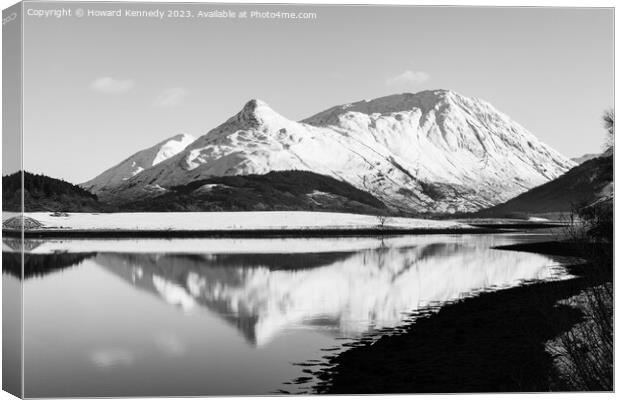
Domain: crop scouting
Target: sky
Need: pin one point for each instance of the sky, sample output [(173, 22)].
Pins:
[(98, 89)]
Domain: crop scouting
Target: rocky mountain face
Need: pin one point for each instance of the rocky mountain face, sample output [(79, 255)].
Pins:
[(429, 152)]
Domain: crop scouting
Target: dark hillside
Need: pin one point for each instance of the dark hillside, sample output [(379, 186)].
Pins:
[(582, 185), (274, 191), (42, 193)]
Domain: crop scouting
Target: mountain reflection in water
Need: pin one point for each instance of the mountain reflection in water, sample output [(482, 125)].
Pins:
[(201, 317), (347, 293)]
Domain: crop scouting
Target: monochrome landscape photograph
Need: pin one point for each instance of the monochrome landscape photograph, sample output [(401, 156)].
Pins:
[(213, 199)]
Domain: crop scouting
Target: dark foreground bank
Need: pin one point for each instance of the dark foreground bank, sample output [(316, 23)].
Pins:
[(491, 343)]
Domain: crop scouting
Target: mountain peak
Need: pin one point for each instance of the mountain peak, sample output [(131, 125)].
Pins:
[(256, 107), (138, 162), (256, 113), (424, 101), (180, 137), (438, 93), (253, 104)]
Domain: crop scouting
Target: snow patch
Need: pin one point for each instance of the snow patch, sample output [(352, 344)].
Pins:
[(242, 220)]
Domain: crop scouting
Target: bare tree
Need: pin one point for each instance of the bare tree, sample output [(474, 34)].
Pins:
[(608, 123)]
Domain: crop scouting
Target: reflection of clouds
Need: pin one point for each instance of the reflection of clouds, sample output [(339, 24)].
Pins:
[(166, 343), (106, 358), (169, 344)]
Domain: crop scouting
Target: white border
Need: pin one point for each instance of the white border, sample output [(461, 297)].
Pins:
[(486, 3)]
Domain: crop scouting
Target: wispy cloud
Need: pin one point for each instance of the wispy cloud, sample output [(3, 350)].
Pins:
[(408, 77), (170, 344), (171, 97), (108, 85), (106, 358)]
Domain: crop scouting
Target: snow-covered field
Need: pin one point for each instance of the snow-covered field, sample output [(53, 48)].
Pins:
[(230, 221)]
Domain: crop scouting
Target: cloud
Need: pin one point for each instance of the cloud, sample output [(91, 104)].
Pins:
[(106, 358), (170, 344), (171, 97), (408, 77), (109, 85)]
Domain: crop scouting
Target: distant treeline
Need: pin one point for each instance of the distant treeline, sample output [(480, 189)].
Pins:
[(42, 193), (41, 185)]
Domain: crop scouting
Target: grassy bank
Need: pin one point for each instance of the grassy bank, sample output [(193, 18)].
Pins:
[(583, 355)]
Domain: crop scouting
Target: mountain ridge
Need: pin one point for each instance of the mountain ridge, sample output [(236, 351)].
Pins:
[(138, 162), (433, 151), (586, 157)]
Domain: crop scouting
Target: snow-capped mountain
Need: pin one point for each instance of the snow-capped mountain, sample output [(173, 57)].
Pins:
[(137, 163), (434, 151), (585, 157)]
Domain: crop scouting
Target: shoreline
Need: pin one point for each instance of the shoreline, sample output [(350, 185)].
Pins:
[(493, 342), (241, 233), (244, 225), (253, 245)]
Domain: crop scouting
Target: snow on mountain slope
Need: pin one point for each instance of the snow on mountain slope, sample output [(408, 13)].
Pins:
[(445, 137), (434, 151), (138, 162)]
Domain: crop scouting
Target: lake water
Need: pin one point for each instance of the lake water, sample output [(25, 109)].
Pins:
[(234, 316)]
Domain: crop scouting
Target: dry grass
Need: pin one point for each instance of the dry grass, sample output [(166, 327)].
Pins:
[(583, 356)]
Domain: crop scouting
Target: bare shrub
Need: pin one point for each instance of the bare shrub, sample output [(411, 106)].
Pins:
[(584, 355)]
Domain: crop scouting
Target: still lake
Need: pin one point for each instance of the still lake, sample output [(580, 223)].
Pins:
[(185, 317)]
